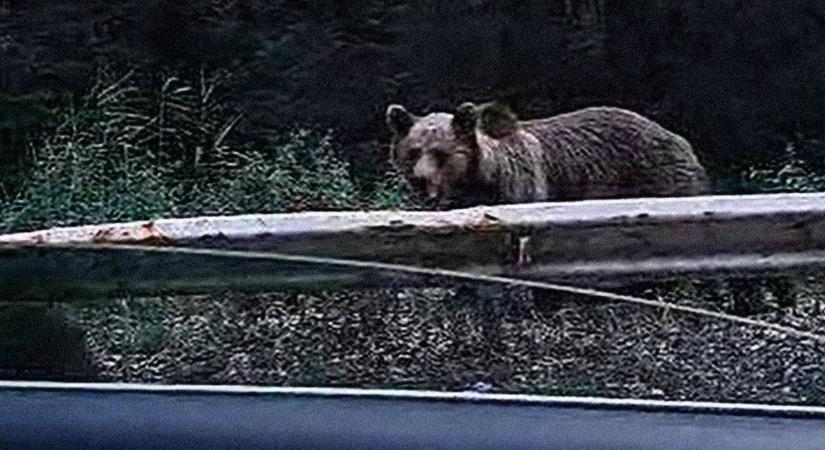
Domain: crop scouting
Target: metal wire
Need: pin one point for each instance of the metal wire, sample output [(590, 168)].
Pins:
[(479, 278)]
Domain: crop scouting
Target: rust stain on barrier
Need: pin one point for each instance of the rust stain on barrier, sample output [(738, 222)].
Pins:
[(104, 235), (487, 223), (147, 234), (151, 235)]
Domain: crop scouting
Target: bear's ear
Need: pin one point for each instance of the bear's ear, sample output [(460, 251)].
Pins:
[(465, 117), (497, 120), (399, 120)]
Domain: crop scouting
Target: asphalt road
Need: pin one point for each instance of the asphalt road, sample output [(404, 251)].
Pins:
[(89, 420)]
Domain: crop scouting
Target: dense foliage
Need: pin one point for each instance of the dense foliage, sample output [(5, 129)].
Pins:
[(742, 80), (131, 152)]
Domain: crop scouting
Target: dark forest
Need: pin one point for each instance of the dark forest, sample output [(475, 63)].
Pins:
[(743, 81)]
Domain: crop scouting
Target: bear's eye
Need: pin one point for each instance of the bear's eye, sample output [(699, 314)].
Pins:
[(413, 153)]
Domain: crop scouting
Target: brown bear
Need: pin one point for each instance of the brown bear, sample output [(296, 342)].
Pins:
[(485, 153)]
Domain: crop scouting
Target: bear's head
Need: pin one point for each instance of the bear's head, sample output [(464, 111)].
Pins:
[(439, 154)]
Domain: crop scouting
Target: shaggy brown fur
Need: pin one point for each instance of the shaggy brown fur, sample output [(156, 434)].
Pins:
[(597, 152)]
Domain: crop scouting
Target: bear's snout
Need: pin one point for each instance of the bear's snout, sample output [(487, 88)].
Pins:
[(425, 187)]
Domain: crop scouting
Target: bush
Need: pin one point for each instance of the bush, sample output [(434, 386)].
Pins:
[(128, 152), (80, 175), (393, 192), (793, 174), (302, 172)]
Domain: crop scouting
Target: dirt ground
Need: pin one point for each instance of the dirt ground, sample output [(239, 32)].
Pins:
[(458, 338)]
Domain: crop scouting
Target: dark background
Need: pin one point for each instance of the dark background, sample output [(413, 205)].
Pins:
[(740, 79)]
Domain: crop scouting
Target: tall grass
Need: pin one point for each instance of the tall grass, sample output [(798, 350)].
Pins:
[(132, 150)]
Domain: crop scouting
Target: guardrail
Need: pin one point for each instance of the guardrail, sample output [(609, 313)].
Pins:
[(596, 242)]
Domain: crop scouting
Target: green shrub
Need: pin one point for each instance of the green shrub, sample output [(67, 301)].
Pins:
[(393, 192), (791, 175), (79, 176), (131, 151), (300, 173)]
